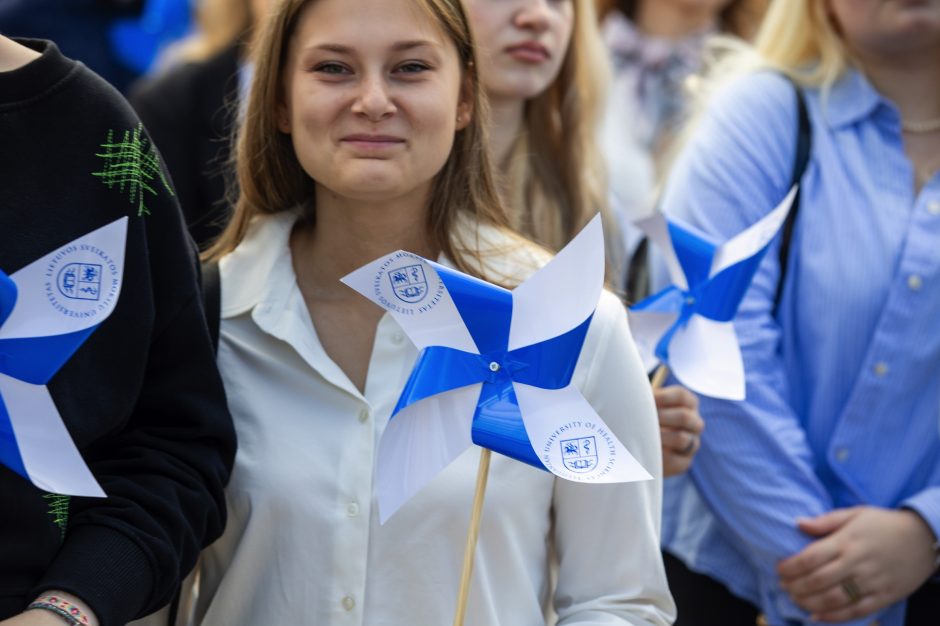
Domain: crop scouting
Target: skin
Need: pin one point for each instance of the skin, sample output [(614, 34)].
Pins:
[(359, 69), (897, 43), (676, 19), (510, 75), (13, 55), (38, 617), (510, 80), (887, 553)]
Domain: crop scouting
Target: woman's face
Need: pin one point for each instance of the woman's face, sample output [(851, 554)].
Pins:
[(887, 28), (521, 44), (373, 93)]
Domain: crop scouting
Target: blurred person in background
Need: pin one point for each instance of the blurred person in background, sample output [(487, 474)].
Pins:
[(657, 47), (80, 28), (191, 107)]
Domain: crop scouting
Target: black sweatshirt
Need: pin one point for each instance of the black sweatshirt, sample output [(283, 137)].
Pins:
[(142, 397)]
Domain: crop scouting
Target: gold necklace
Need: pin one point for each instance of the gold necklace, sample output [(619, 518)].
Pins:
[(925, 126)]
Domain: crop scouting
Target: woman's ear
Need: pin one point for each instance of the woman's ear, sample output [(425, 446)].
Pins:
[(465, 103), (283, 118)]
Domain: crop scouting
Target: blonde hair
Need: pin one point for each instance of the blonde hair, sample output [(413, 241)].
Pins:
[(556, 181), (271, 179), (220, 24), (799, 38)]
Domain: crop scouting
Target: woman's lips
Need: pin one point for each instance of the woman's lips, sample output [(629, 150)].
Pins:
[(529, 52), (372, 142)]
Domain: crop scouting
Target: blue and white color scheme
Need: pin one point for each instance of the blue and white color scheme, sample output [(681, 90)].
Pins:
[(47, 310), (495, 369), (688, 325)]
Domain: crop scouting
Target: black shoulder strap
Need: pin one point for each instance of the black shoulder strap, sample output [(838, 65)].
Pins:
[(804, 139), (212, 299)]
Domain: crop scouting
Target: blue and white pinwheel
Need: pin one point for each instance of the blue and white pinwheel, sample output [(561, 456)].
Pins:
[(688, 326), (495, 369), (47, 310)]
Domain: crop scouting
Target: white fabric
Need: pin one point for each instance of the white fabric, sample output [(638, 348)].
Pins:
[(303, 545)]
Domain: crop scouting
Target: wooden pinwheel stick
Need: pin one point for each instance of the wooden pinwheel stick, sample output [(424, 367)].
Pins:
[(659, 376), (472, 533)]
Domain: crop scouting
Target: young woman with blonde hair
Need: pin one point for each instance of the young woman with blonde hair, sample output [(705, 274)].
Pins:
[(818, 498), (364, 134)]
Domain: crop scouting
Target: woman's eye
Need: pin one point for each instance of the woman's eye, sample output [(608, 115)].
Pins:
[(412, 67), (331, 68)]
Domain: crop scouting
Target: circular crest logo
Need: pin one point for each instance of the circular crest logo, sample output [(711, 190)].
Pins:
[(82, 281), (409, 283), (404, 284)]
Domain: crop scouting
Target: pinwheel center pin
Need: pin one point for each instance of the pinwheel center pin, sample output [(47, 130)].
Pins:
[(494, 366)]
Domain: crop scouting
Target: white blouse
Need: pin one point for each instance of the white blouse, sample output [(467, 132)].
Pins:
[(303, 543)]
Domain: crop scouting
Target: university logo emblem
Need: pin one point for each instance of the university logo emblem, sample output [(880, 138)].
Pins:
[(579, 455), (80, 281), (409, 283)]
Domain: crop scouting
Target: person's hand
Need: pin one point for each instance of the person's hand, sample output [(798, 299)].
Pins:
[(680, 427), (866, 559)]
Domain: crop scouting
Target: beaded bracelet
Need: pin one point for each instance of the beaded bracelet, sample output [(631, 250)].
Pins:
[(63, 608)]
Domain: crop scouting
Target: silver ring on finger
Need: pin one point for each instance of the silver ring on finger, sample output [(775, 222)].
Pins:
[(687, 450)]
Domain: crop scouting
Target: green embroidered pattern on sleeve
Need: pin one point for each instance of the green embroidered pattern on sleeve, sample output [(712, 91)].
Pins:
[(132, 165), (59, 510)]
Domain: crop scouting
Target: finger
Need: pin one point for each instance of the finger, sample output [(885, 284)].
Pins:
[(827, 523), (675, 396), (866, 606), (818, 580), (681, 419), (675, 464), (827, 601), (810, 558), (678, 441)]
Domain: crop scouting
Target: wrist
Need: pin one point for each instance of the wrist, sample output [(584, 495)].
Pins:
[(66, 607), (932, 539)]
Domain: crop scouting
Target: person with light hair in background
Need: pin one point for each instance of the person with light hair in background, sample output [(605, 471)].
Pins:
[(543, 67), (657, 50), (364, 133), (817, 500)]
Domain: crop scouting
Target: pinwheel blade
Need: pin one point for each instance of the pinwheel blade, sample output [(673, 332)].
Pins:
[(749, 243), (563, 293), (705, 357), (409, 288), (657, 229), (572, 440), (647, 328), (419, 442), (71, 289), (47, 454)]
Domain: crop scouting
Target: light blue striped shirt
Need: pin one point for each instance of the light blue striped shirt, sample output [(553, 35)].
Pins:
[(843, 393)]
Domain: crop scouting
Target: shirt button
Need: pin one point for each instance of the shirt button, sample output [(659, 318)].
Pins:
[(348, 603), (842, 455), (915, 282), (397, 338), (352, 509), (880, 369), (934, 207), (363, 416)]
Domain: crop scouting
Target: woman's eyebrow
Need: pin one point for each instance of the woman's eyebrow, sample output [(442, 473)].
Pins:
[(399, 46)]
